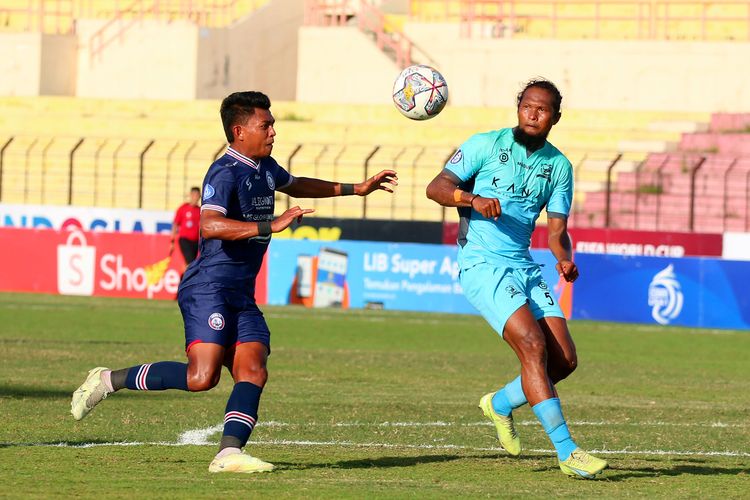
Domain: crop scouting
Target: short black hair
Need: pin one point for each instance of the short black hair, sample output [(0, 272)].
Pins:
[(545, 84), (195, 189), (238, 107)]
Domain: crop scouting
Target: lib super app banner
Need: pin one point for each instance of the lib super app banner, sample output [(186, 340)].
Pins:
[(398, 276)]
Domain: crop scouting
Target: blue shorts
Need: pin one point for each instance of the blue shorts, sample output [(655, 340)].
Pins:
[(499, 291), (222, 316)]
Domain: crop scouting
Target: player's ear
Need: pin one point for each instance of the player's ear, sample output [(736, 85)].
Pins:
[(556, 118), (238, 132)]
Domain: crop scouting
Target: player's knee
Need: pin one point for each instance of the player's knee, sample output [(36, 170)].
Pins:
[(571, 364), (257, 375), (563, 368), (202, 380)]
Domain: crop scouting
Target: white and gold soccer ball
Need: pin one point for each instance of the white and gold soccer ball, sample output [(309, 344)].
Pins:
[(420, 92)]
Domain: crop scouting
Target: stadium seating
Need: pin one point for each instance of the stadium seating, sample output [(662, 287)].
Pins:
[(582, 19), (59, 16), (147, 153), (703, 185), (333, 141)]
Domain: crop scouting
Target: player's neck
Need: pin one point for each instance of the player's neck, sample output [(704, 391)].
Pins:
[(247, 154), (530, 142)]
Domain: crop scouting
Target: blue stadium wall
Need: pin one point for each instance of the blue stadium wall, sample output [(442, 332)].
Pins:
[(693, 292)]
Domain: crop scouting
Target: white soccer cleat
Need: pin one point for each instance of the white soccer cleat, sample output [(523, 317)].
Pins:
[(239, 462), (89, 394)]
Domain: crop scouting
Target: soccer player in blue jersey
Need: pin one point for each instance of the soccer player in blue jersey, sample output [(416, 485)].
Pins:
[(223, 325), (500, 181)]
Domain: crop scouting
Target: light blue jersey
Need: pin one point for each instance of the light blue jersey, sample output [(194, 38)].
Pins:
[(494, 165)]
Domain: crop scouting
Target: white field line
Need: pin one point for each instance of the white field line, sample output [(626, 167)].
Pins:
[(349, 444), (200, 437), (582, 423)]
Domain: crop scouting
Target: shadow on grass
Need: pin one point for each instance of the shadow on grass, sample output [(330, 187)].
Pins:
[(388, 462), (26, 392), (17, 391), (698, 469), (59, 444)]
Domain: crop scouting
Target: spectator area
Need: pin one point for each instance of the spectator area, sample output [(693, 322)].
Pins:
[(101, 145)]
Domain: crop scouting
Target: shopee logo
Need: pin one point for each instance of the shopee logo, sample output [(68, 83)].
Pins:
[(121, 278)]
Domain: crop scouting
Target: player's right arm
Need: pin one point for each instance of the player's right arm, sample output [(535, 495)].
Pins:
[(214, 225), (464, 164), (219, 188)]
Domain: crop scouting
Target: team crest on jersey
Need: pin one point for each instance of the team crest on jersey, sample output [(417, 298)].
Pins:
[(248, 184), (457, 157), (270, 181), (504, 157), (546, 172), (216, 321), (208, 191)]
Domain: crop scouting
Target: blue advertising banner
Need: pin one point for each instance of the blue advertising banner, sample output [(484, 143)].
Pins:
[(398, 276), (696, 292)]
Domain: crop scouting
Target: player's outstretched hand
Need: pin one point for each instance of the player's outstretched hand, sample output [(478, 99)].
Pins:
[(568, 270), (284, 220), (489, 207), (382, 180)]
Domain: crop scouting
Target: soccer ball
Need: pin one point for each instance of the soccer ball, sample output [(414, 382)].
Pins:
[(420, 92)]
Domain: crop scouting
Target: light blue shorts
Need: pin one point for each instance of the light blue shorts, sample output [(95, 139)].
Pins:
[(498, 291)]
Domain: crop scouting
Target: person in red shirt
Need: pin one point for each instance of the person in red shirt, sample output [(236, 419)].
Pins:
[(186, 226)]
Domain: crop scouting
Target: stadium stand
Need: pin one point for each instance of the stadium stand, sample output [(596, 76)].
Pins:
[(59, 16), (177, 139), (703, 185), (145, 153), (591, 19)]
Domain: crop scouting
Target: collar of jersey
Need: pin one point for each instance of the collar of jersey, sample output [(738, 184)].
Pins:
[(244, 159)]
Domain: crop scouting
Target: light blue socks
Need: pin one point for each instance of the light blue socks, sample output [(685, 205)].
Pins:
[(509, 398), (550, 415)]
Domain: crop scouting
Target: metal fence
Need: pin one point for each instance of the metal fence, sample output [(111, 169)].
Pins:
[(679, 191)]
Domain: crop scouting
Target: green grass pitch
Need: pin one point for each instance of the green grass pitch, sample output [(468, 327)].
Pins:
[(366, 404)]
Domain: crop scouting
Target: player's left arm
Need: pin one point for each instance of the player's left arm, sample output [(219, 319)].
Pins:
[(561, 247), (307, 187), (558, 208)]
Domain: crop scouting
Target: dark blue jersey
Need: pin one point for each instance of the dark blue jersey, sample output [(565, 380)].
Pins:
[(243, 190)]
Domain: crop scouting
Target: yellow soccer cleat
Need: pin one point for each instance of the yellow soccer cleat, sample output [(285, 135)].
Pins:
[(506, 431), (239, 462), (581, 464), (89, 394)]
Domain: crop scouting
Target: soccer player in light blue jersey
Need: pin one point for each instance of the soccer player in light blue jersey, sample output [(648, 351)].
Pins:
[(223, 324), (500, 181)]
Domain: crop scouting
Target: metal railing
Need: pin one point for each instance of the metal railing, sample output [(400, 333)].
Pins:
[(60, 16), (156, 173), (369, 19), (204, 14), (679, 191)]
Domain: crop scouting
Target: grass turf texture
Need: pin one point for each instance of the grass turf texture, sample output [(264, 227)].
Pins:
[(367, 404)]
